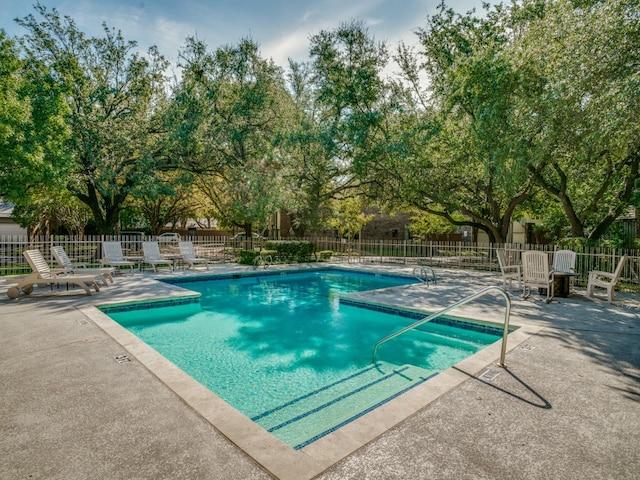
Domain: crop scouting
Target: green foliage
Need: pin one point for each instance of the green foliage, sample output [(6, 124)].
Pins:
[(163, 200), (226, 116), (32, 132), (291, 251), (49, 209), (247, 257), (469, 155), (582, 120), (530, 109), (341, 128), (312, 173), (101, 101), (348, 217), (425, 224)]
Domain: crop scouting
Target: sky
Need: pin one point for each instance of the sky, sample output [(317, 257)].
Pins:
[(282, 28)]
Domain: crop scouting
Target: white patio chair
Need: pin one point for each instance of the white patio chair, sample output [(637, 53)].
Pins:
[(605, 280), (65, 262), (536, 273), (151, 255), (188, 254), (113, 256), (565, 261), (509, 272), (43, 275)]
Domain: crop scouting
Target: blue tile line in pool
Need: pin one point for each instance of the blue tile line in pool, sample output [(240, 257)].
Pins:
[(146, 305), (315, 392), (452, 322), (364, 412), (338, 399)]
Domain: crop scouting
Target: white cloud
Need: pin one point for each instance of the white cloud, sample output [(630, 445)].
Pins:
[(294, 45), (282, 28)]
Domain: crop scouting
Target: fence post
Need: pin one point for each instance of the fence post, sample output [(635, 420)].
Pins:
[(405, 252)]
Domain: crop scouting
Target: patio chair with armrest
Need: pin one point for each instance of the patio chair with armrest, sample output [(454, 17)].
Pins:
[(605, 280), (65, 262), (188, 255), (509, 272), (152, 256), (43, 275), (536, 273), (113, 256)]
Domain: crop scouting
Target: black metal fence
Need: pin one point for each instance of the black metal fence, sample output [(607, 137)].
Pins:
[(458, 255)]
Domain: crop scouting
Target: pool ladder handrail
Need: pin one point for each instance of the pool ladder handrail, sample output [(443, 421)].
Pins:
[(420, 272), (464, 301), (264, 261)]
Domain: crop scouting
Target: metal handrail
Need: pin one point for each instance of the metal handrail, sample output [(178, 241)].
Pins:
[(260, 260), (480, 293), (422, 270)]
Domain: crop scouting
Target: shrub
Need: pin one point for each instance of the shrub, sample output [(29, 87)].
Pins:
[(247, 257), (324, 255), (291, 251)]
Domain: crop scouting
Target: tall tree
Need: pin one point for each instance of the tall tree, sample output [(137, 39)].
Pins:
[(467, 154), (344, 130), (313, 173), (111, 98), (228, 111), (32, 130), (584, 122), (164, 199)]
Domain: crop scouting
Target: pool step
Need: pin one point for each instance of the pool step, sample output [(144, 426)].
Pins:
[(307, 418), (420, 338), (429, 349)]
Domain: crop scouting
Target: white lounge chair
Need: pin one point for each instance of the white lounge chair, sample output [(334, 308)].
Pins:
[(605, 280), (188, 254), (65, 262), (152, 256), (536, 273), (509, 272), (112, 255), (43, 275)]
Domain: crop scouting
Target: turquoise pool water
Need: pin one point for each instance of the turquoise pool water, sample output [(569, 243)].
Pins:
[(285, 352)]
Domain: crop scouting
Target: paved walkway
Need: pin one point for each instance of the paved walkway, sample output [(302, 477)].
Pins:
[(76, 404)]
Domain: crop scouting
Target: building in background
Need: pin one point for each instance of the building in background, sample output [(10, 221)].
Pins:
[(8, 226)]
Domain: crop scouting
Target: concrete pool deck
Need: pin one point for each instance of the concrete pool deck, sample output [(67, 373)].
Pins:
[(82, 399)]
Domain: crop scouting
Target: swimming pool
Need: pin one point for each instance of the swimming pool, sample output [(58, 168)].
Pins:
[(284, 350)]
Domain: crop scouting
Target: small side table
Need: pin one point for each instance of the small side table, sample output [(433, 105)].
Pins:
[(561, 283), (137, 259)]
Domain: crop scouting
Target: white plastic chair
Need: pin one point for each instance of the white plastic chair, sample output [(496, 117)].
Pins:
[(536, 273), (113, 256), (65, 262), (188, 254), (565, 261), (152, 256), (509, 272), (605, 280)]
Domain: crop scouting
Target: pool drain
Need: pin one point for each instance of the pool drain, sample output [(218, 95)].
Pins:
[(490, 374), (122, 359)]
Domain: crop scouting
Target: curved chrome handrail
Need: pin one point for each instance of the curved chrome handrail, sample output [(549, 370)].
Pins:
[(480, 293), (422, 274)]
